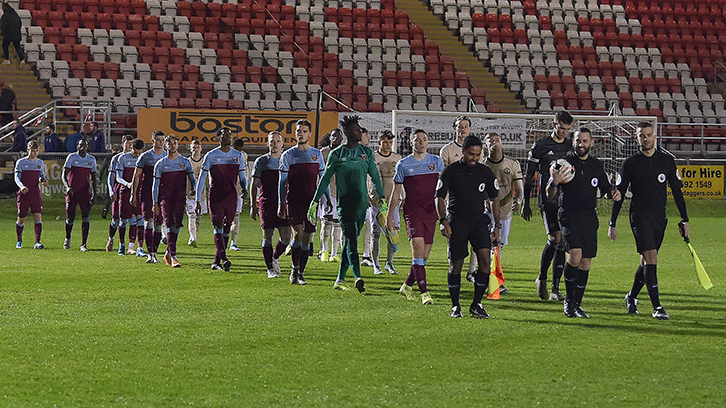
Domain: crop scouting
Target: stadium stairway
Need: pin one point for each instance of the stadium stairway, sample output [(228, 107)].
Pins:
[(29, 92), (463, 58)]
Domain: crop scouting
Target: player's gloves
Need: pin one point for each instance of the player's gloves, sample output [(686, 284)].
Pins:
[(312, 212), (384, 206)]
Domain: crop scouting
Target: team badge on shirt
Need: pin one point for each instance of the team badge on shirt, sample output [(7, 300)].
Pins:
[(315, 157), (234, 159), (181, 165), (432, 166), (364, 157)]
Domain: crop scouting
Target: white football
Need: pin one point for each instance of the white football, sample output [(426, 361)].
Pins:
[(560, 163)]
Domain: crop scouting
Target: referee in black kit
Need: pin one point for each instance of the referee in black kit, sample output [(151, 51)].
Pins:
[(578, 217), (469, 184), (647, 172)]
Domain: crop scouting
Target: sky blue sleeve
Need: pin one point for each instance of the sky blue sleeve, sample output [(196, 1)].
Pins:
[(157, 182)]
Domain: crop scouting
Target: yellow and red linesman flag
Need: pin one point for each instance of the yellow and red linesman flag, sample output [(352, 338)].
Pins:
[(496, 276)]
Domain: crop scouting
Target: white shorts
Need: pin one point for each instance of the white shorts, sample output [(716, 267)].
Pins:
[(321, 208), (192, 205), (239, 205), (373, 213)]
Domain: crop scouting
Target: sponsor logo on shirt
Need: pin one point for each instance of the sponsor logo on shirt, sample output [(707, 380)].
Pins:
[(661, 178), (618, 179), (594, 182), (482, 187), (678, 174), (496, 184)]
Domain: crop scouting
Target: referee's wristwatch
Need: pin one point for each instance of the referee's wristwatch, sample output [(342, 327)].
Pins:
[(443, 220), (498, 225)]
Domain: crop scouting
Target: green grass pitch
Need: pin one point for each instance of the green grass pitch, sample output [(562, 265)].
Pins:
[(99, 330)]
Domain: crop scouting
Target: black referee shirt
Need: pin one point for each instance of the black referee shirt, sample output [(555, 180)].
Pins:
[(647, 177), (469, 187), (580, 194)]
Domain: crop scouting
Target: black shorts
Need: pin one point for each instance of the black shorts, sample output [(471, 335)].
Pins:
[(548, 209), (579, 231), (465, 231), (648, 230)]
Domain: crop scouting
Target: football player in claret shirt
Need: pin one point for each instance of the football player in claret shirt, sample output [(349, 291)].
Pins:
[(578, 216), (463, 220), (648, 173), (351, 163), (541, 155), (113, 186), (129, 213), (169, 193), (224, 166), (141, 193), (237, 144), (418, 174), (300, 167), (29, 172), (78, 169), (263, 202)]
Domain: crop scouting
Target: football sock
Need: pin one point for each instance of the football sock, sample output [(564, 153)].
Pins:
[(454, 288), (351, 241), (582, 277), (267, 254), (69, 228), (651, 283), (335, 244), (149, 234), (558, 265), (171, 237), (122, 232), (570, 281), (112, 229), (220, 255), (344, 263), (304, 255), (481, 282), (295, 254), (192, 226), (234, 231), (140, 235), (38, 230), (376, 246), (367, 239), (225, 234), (418, 267), (19, 230), (157, 238), (279, 249), (547, 254), (638, 282), (325, 235), (85, 226), (411, 278)]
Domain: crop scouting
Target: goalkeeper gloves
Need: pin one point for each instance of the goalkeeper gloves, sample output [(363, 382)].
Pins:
[(312, 212)]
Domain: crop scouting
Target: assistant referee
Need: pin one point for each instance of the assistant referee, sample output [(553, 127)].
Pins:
[(469, 185), (647, 173)]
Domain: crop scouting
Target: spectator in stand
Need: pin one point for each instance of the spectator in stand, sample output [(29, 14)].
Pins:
[(52, 141), (72, 141), (19, 137), (10, 25), (96, 142), (7, 103), (404, 144)]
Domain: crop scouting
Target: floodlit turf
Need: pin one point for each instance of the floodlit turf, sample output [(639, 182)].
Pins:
[(96, 329)]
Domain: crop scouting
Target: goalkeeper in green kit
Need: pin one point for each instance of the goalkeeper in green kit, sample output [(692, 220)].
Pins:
[(350, 163)]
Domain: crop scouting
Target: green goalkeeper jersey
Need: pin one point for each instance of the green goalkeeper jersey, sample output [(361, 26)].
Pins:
[(351, 168)]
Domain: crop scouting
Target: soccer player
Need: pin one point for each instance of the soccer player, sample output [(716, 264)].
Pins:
[(300, 167), (77, 170), (29, 172), (578, 216), (646, 173), (351, 163), (237, 144), (116, 222), (266, 178), (366, 259), (469, 184), (129, 214), (418, 174), (169, 193), (386, 161), (224, 166), (142, 184), (451, 152), (195, 146), (330, 224), (509, 177), (542, 153)]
